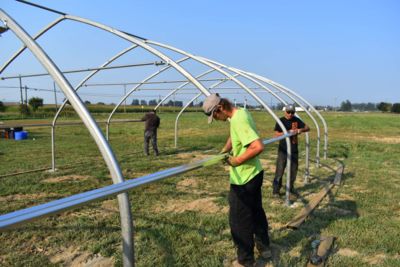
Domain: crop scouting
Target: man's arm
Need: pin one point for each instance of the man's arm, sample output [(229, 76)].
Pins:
[(253, 149), (276, 133), (304, 129)]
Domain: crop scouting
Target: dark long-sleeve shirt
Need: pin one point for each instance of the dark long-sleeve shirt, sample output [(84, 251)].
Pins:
[(152, 121)]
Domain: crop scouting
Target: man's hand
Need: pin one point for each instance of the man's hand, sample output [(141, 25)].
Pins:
[(224, 150), (232, 161), (295, 131)]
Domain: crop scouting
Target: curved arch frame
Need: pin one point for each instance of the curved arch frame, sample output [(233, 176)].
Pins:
[(277, 85), (250, 92), (94, 130), (126, 225), (238, 72)]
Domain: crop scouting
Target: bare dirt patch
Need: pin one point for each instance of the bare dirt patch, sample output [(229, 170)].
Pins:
[(383, 139), (375, 259), (347, 252), (73, 257), (204, 205), (19, 197), (295, 252), (110, 206), (66, 178), (187, 185), (343, 196), (193, 156)]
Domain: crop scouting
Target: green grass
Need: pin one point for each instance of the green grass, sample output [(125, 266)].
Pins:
[(170, 228)]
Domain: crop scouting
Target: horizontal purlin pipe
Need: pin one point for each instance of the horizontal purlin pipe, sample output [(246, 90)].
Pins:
[(60, 124), (157, 63), (19, 217)]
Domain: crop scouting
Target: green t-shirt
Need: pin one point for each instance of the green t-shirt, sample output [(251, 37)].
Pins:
[(243, 132)]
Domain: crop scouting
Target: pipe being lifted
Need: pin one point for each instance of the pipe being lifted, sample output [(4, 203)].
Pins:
[(94, 130), (23, 216)]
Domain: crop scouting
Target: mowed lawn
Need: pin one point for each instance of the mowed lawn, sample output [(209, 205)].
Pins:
[(183, 220)]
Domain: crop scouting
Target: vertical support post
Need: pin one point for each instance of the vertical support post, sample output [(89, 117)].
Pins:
[(107, 130), (53, 149), (55, 94), (307, 172), (125, 99)]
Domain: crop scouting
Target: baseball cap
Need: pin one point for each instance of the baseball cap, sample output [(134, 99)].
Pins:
[(290, 107), (209, 105)]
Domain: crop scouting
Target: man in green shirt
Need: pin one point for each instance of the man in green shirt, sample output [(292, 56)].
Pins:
[(247, 218)]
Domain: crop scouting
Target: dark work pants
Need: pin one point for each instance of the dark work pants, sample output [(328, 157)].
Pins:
[(280, 168), (151, 134), (247, 218)]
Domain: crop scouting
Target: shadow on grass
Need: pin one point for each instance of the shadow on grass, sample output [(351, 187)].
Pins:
[(313, 227)]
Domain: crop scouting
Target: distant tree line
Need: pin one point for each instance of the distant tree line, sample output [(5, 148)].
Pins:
[(154, 102), (382, 106)]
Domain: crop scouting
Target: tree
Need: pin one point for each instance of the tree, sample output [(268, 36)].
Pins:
[(384, 106), (396, 108), (153, 102), (87, 102), (101, 103), (135, 102), (346, 106), (24, 109), (143, 102), (2, 107), (35, 102)]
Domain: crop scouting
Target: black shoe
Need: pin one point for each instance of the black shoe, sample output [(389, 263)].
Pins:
[(294, 192)]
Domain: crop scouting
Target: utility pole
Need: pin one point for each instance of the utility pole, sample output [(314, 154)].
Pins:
[(20, 89), (26, 95)]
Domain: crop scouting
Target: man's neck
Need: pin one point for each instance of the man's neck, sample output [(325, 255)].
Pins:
[(231, 113)]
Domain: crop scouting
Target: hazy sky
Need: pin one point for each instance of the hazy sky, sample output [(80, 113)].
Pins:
[(327, 51)]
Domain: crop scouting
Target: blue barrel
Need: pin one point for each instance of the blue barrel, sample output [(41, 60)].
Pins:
[(21, 135)]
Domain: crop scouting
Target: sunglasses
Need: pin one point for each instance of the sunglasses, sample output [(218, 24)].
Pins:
[(290, 112)]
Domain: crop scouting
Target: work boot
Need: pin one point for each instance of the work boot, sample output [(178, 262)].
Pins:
[(236, 263), (294, 192), (264, 250)]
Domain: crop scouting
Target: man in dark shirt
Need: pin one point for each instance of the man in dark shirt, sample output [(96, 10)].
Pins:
[(294, 125), (152, 122)]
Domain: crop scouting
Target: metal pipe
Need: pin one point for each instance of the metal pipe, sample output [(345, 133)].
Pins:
[(180, 87), (108, 155), (23, 216), (62, 123), (133, 90), (179, 114), (154, 82), (191, 101), (157, 63), (311, 106), (252, 78)]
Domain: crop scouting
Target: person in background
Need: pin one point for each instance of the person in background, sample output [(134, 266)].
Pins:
[(293, 125), (247, 219), (152, 122)]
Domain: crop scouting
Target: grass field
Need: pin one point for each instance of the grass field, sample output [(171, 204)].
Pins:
[(182, 221)]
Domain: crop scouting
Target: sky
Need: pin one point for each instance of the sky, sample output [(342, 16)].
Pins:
[(326, 51)]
